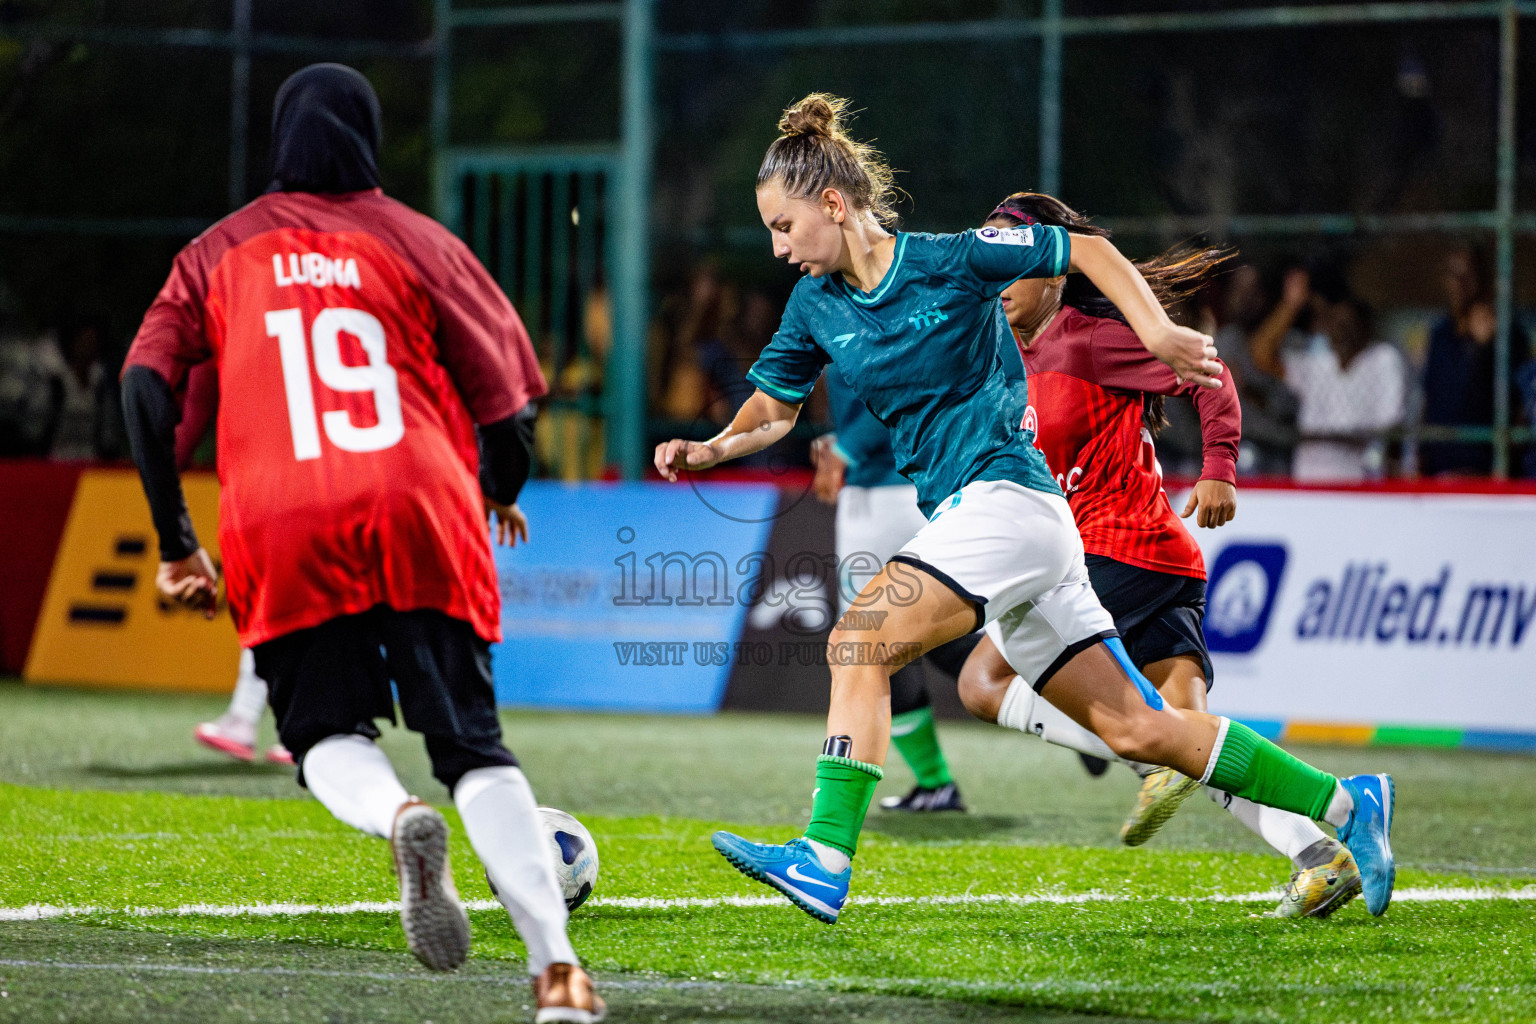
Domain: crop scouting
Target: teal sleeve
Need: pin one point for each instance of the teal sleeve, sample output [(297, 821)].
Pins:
[(996, 257), (792, 361)]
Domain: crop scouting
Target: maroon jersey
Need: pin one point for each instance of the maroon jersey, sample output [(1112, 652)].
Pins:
[(356, 344), (1087, 378)]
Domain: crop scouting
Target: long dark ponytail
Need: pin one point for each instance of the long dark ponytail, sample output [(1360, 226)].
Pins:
[(1174, 276)]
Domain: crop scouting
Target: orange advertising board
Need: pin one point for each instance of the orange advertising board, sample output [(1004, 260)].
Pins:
[(102, 623)]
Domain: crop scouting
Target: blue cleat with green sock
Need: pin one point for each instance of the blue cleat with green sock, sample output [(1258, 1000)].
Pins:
[(1368, 835), (793, 869)]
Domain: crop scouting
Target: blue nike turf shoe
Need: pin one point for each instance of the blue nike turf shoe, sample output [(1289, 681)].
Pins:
[(1368, 834), (793, 869)]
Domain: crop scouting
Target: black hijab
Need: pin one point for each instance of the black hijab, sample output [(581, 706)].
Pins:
[(326, 126)]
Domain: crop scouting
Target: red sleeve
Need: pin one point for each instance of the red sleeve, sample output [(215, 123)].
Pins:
[(173, 339), (1121, 361), (197, 411), (481, 340)]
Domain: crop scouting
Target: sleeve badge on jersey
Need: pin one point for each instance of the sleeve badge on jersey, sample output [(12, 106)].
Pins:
[(1007, 236)]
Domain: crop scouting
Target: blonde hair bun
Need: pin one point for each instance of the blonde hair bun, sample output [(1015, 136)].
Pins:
[(817, 114), (814, 152)]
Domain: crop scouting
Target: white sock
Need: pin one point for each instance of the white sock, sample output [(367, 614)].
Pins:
[(250, 698), (502, 822), (833, 859), (355, 782), (1341, 807), (1287, 832), (1025, 710)]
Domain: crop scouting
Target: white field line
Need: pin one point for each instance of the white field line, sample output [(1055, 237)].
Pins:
[(47, 911)]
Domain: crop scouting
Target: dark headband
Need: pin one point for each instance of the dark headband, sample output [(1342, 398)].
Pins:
[(1009, 208)]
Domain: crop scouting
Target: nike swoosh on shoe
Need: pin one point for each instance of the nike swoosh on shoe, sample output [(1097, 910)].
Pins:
[(793, 871)]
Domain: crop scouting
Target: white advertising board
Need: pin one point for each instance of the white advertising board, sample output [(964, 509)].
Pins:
[(1375, 608)]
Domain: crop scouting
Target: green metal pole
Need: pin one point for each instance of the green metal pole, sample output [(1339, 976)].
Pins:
[(239, 102), (442, 80), (625, 379), (1504, 295), (1050, 97)]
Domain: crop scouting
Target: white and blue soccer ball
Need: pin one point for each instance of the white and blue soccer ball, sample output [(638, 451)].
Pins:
[(575, 855)]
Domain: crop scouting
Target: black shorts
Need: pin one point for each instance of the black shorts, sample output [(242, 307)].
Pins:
[(1159, 615), (334, 679), (938, 670)]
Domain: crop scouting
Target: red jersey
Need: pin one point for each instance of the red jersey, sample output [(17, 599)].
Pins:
[(356, 344), (1087, 377)]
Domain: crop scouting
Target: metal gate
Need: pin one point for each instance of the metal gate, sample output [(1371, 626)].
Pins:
[(542, 225)]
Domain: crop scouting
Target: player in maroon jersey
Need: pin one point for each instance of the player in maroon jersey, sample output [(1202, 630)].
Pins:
[(1095, 405), (363, 355)]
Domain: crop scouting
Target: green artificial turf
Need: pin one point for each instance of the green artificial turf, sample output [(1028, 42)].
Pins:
[(117, 817)]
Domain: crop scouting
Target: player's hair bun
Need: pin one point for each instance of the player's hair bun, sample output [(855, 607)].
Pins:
[(817, 114), (814, 151)]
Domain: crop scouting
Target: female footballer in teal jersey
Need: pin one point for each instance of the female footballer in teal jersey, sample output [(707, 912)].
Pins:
[(913, 322)]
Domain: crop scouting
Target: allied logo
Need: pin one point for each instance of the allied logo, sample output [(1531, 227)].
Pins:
[(1240, 597)]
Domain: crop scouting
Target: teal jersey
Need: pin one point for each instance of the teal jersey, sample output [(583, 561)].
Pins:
[(923, 350), (863, 441)]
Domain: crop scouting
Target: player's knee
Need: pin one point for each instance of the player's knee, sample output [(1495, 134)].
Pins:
[(859, 648), (982, 691)]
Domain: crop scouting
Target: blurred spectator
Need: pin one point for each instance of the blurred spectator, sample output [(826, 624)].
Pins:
[(678, 388), (703, 340), (569, 436), (1349, 388), (727, 355), (1269, 407), (1459, 367), (57, 399), (83, 420), (26, 397)]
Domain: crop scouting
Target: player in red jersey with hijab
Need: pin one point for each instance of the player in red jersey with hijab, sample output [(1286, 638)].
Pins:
[(1095, 406), (364, 359)]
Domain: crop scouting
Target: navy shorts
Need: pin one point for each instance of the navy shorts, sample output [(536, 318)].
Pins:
[(1159, 615), (334, 679)]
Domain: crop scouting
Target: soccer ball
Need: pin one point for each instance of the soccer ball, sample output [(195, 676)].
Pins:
[(575, 855)]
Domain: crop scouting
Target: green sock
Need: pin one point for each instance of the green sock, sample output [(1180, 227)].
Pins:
[(844, 788), (914, 735), (1255, 769)]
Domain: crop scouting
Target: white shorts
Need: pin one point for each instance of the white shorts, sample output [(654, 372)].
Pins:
[(1015, 552), (873, 523)]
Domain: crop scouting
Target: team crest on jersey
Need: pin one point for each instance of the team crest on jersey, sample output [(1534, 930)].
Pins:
[(1007, 236)]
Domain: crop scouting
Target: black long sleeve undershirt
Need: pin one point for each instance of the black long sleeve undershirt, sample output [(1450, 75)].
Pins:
[(506, 455), (150, 412)]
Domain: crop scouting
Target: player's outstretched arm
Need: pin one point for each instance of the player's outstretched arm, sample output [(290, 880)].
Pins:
[(186, 574), (1215, 500), (506, 460), (508, 523), (192, 581), (759, 422), (1192, 355)]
